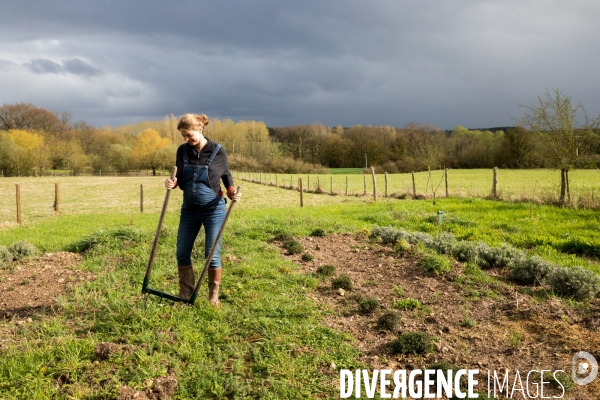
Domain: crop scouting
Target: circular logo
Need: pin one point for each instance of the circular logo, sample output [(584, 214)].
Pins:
[(589, 366)]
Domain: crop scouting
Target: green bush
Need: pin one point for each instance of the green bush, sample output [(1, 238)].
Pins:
[(435, 264), (388, 321), (293, 247), (500, 257), (307, 257), (388, 234), (342, 282), (532, 270), (411, 343), (5, 256), (407, 304), (575, 282), (444, 243), (325, 270), (368, 306), (22, 249), (402, 246), (318, 232)]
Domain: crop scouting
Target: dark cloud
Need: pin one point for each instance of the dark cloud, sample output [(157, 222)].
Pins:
[(337, 62)]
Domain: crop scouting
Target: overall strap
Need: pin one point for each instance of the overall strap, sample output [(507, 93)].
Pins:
[(185, 154), (213, 155)]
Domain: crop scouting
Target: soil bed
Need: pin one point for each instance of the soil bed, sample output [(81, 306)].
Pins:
[(485, 326)]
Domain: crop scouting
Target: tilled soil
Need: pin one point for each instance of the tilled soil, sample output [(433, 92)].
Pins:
[(478, 326), (30, 285)]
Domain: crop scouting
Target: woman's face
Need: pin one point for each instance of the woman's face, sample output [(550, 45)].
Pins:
[(192, 136)]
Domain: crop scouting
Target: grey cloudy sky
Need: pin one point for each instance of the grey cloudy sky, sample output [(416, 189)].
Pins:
[(446, 62)]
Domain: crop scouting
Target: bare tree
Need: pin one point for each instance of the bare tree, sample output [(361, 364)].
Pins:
[(565, 130)]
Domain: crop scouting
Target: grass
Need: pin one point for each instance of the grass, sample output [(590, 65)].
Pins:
[(267, 340)]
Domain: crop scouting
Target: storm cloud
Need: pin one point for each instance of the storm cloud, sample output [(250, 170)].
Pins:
[(448, 63)]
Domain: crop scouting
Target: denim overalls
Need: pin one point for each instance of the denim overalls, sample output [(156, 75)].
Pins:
[(201, 206)]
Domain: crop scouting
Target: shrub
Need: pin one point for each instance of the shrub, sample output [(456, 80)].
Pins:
[(5, 256), (469, 251), (500, 257), (444, 243), (388, 321), (388, 234), (293, 247), (532, 270), (368, 306), (411, 343), (307, 257), (576, 282), (356, 297), (22, 249), (318, 232), (325, 270), (435, 264), (342, 282), (420, 237), (407, 304)]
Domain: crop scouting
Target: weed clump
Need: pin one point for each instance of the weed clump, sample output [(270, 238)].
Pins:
[(318, 232), (368, 306), (325, 270), (5, 256), (411, 343), (388, 321), (283, 237), (407, 304), (435, 264), (307, 257), (342, 282), (293, 247), (402, 246), (22, 249)]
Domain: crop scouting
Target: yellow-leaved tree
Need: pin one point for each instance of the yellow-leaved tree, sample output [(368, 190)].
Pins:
[(150, 150), (28, 154)]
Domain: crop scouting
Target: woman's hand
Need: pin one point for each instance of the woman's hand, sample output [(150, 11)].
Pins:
[(171, 184), (233, 194)]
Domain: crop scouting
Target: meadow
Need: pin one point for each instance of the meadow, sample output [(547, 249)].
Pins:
[(267, 341)]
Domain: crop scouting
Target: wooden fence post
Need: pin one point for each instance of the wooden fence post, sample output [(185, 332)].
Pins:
[(346, 185), (446, 177), (374, 184), (331, 185), (141, 198), (495, 183), (318, 184), (56, 197), (276, 183), (365, 182), (308, 183), (386, 185), (414, 186), (18, 204), (301, 192)]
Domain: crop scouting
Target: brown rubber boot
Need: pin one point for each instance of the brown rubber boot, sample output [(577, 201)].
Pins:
[(214, 279), (187, 281)]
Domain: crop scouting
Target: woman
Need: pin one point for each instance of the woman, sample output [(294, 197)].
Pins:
[(201, 165)]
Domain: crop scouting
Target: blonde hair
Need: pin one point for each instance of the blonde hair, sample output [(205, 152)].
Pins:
[(192, 121)]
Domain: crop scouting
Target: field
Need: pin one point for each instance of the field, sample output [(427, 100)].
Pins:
[(76, 325)]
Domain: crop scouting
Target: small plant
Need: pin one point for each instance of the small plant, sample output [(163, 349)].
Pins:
[(411, 343), (307, 257), (22, 249), (5, 256), (388, 321), (368, 306), (399, 291), (342, 282), (283, 237), (356, 297), (293, 247), (500, 257), (402, 246), (388, 234), (325, 270), (444, 243), (435, 264), (516, 339), (466, 320), (318, 232), (370, 282), (407, 304), (532, 270)]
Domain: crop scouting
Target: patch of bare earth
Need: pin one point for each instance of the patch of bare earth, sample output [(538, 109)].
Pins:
[(509, 330), (32, 285)]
